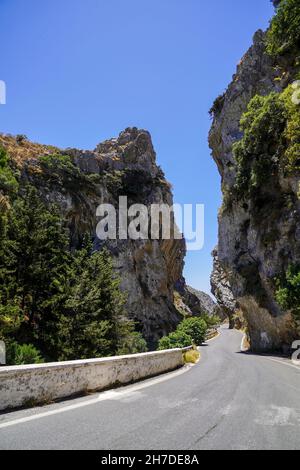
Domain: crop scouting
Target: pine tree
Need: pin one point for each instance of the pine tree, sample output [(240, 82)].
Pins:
[(35, 264), (94, 323)]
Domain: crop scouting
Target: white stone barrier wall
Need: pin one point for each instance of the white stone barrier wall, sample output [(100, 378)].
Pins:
[(42, 383)]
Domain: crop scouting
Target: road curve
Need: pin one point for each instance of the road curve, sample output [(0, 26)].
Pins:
[(229, 400)]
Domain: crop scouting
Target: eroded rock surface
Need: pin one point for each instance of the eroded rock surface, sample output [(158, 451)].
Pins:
[(222, 290)]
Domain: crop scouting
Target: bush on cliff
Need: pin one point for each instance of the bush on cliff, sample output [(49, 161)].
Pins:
[(217, 106), (61, 170), (288, 292), (284, 33), (8, 182), (270, 144)]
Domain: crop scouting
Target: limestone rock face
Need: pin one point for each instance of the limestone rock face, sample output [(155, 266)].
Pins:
[(200, 302), (192, 302), (125, 166), (254, 247), (221, 289)]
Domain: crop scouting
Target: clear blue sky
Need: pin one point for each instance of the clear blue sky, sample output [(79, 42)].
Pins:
[(80, 71)]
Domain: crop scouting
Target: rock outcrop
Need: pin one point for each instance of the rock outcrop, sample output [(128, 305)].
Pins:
[(201, 303), (256, 242), (78, 181), (192, 302), (221, 289)]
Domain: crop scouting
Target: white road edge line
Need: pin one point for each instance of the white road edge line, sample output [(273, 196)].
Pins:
[(282, 363), (243, 349), (103, 396)]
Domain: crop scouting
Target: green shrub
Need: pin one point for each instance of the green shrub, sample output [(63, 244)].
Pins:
[(211, 320), (10, 318), (291, 136), (134, 343), (61, 170), (257, 153), (59, 166), (114, 182), (20, 354), (284, 33), (271, 142), (8, 182), (228, 199), (178, 339), (58, 162), (288, 292), (194, 327)]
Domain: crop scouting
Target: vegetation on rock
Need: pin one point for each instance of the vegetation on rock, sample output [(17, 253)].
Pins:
[(288, 292), (8, 182), (271, 142), (284, 33), (217, 105), (60, 170)]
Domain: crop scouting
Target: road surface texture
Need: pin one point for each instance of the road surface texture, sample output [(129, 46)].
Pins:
[(229, 400)]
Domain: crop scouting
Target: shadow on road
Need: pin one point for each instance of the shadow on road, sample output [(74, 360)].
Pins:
[(277, 355)]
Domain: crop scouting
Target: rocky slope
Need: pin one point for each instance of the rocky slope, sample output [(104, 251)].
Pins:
[(192, 302), (222, 290), (199, 302), (78, 181), (259, 233)]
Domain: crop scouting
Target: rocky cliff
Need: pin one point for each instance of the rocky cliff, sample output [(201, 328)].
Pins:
[(192, 302), (257, 155), (221, 289), (201, 303), (78, 181)]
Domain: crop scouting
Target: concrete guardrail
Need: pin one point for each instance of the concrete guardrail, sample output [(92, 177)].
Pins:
[(42, 383)]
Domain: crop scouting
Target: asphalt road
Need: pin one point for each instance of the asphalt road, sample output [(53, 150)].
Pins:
[(229, 400)]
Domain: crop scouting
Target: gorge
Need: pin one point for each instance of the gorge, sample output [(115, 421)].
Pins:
[(255, 143)]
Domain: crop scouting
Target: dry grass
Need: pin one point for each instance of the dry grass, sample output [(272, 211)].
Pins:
[(213, 333), (191, 357), (26, 150)]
